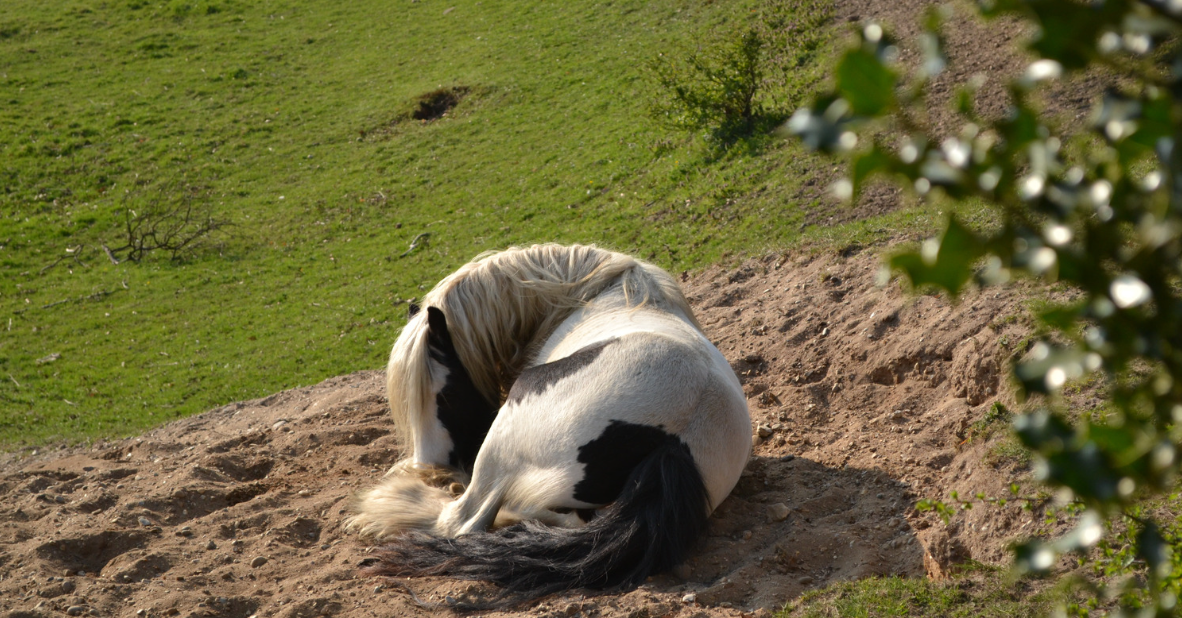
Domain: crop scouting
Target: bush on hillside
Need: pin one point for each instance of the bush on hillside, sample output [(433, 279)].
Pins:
[(715, 87), (735, 82), (175, 220)]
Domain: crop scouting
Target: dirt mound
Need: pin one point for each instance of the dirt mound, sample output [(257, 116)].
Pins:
[(860, 398), (435, 104)]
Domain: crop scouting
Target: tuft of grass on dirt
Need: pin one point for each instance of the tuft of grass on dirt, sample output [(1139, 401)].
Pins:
[(1007, 452), (984, 593)]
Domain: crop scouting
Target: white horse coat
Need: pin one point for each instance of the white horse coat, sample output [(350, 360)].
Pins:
[(620, 426)]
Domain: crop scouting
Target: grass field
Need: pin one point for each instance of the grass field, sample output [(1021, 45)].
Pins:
[(990, 593), (290, 121)]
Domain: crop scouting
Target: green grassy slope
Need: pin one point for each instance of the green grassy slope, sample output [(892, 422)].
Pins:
[(989, 593), (288, 118)]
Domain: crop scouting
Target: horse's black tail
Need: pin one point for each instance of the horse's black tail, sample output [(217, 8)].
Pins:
[(659, 516)]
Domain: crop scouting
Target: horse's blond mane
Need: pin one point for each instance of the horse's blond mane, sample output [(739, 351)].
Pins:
[(500, 303)]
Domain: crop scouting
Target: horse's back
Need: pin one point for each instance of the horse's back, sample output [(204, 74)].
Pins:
[(612, 387), (622, 404)]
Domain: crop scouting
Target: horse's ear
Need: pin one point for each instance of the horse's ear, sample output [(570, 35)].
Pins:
[(412, 310), (437, 324)]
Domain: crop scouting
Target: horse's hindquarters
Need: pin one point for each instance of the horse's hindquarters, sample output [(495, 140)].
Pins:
[(573, 429), (624, 422), (720, 435)]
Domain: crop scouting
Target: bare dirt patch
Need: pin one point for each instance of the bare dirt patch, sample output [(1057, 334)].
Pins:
[(435, 104), (861, 398), (985, 53), (423, 109)]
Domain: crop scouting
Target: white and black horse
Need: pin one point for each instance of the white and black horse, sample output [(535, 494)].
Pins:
[(568, 395)]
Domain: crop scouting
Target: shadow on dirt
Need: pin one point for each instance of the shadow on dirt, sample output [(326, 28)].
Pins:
[(792, 524)]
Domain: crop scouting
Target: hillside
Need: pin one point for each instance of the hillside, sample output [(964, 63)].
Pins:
[(864, 398), (290, 126)]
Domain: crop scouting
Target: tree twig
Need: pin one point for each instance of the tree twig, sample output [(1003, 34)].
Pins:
[(107, 249), (70, 253), (414, 244), (165, 222), (95, 296), (50, 265)]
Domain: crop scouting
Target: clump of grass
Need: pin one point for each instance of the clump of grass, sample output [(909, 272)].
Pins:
[(1008, 452), (983, 594), (996, 418)]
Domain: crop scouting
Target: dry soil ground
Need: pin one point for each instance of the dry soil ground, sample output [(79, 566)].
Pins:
[(861, 400)]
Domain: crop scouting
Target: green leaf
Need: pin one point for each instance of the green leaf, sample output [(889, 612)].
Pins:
[(869, 163), (1067, 30), (1021, 127), (1061, 318), (1116, 440), (950, 267), (824, 126), (1069, 460), (1048, 367), (1043, 431), (963, 102), (1088, 530), (1034, 557), (866, 83), (1154, 550)]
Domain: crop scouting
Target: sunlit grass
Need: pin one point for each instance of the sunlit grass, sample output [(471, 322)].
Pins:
[(290, 120), (989, 593)]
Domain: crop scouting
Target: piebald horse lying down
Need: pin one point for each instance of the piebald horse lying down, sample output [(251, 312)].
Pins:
[(597, 423)]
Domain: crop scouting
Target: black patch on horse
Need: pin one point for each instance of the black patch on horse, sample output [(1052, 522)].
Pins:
[(609, 459), (537, 379), (461, 408), (658, 517)]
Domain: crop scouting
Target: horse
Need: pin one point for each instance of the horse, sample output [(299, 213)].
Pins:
[(568, 425)]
